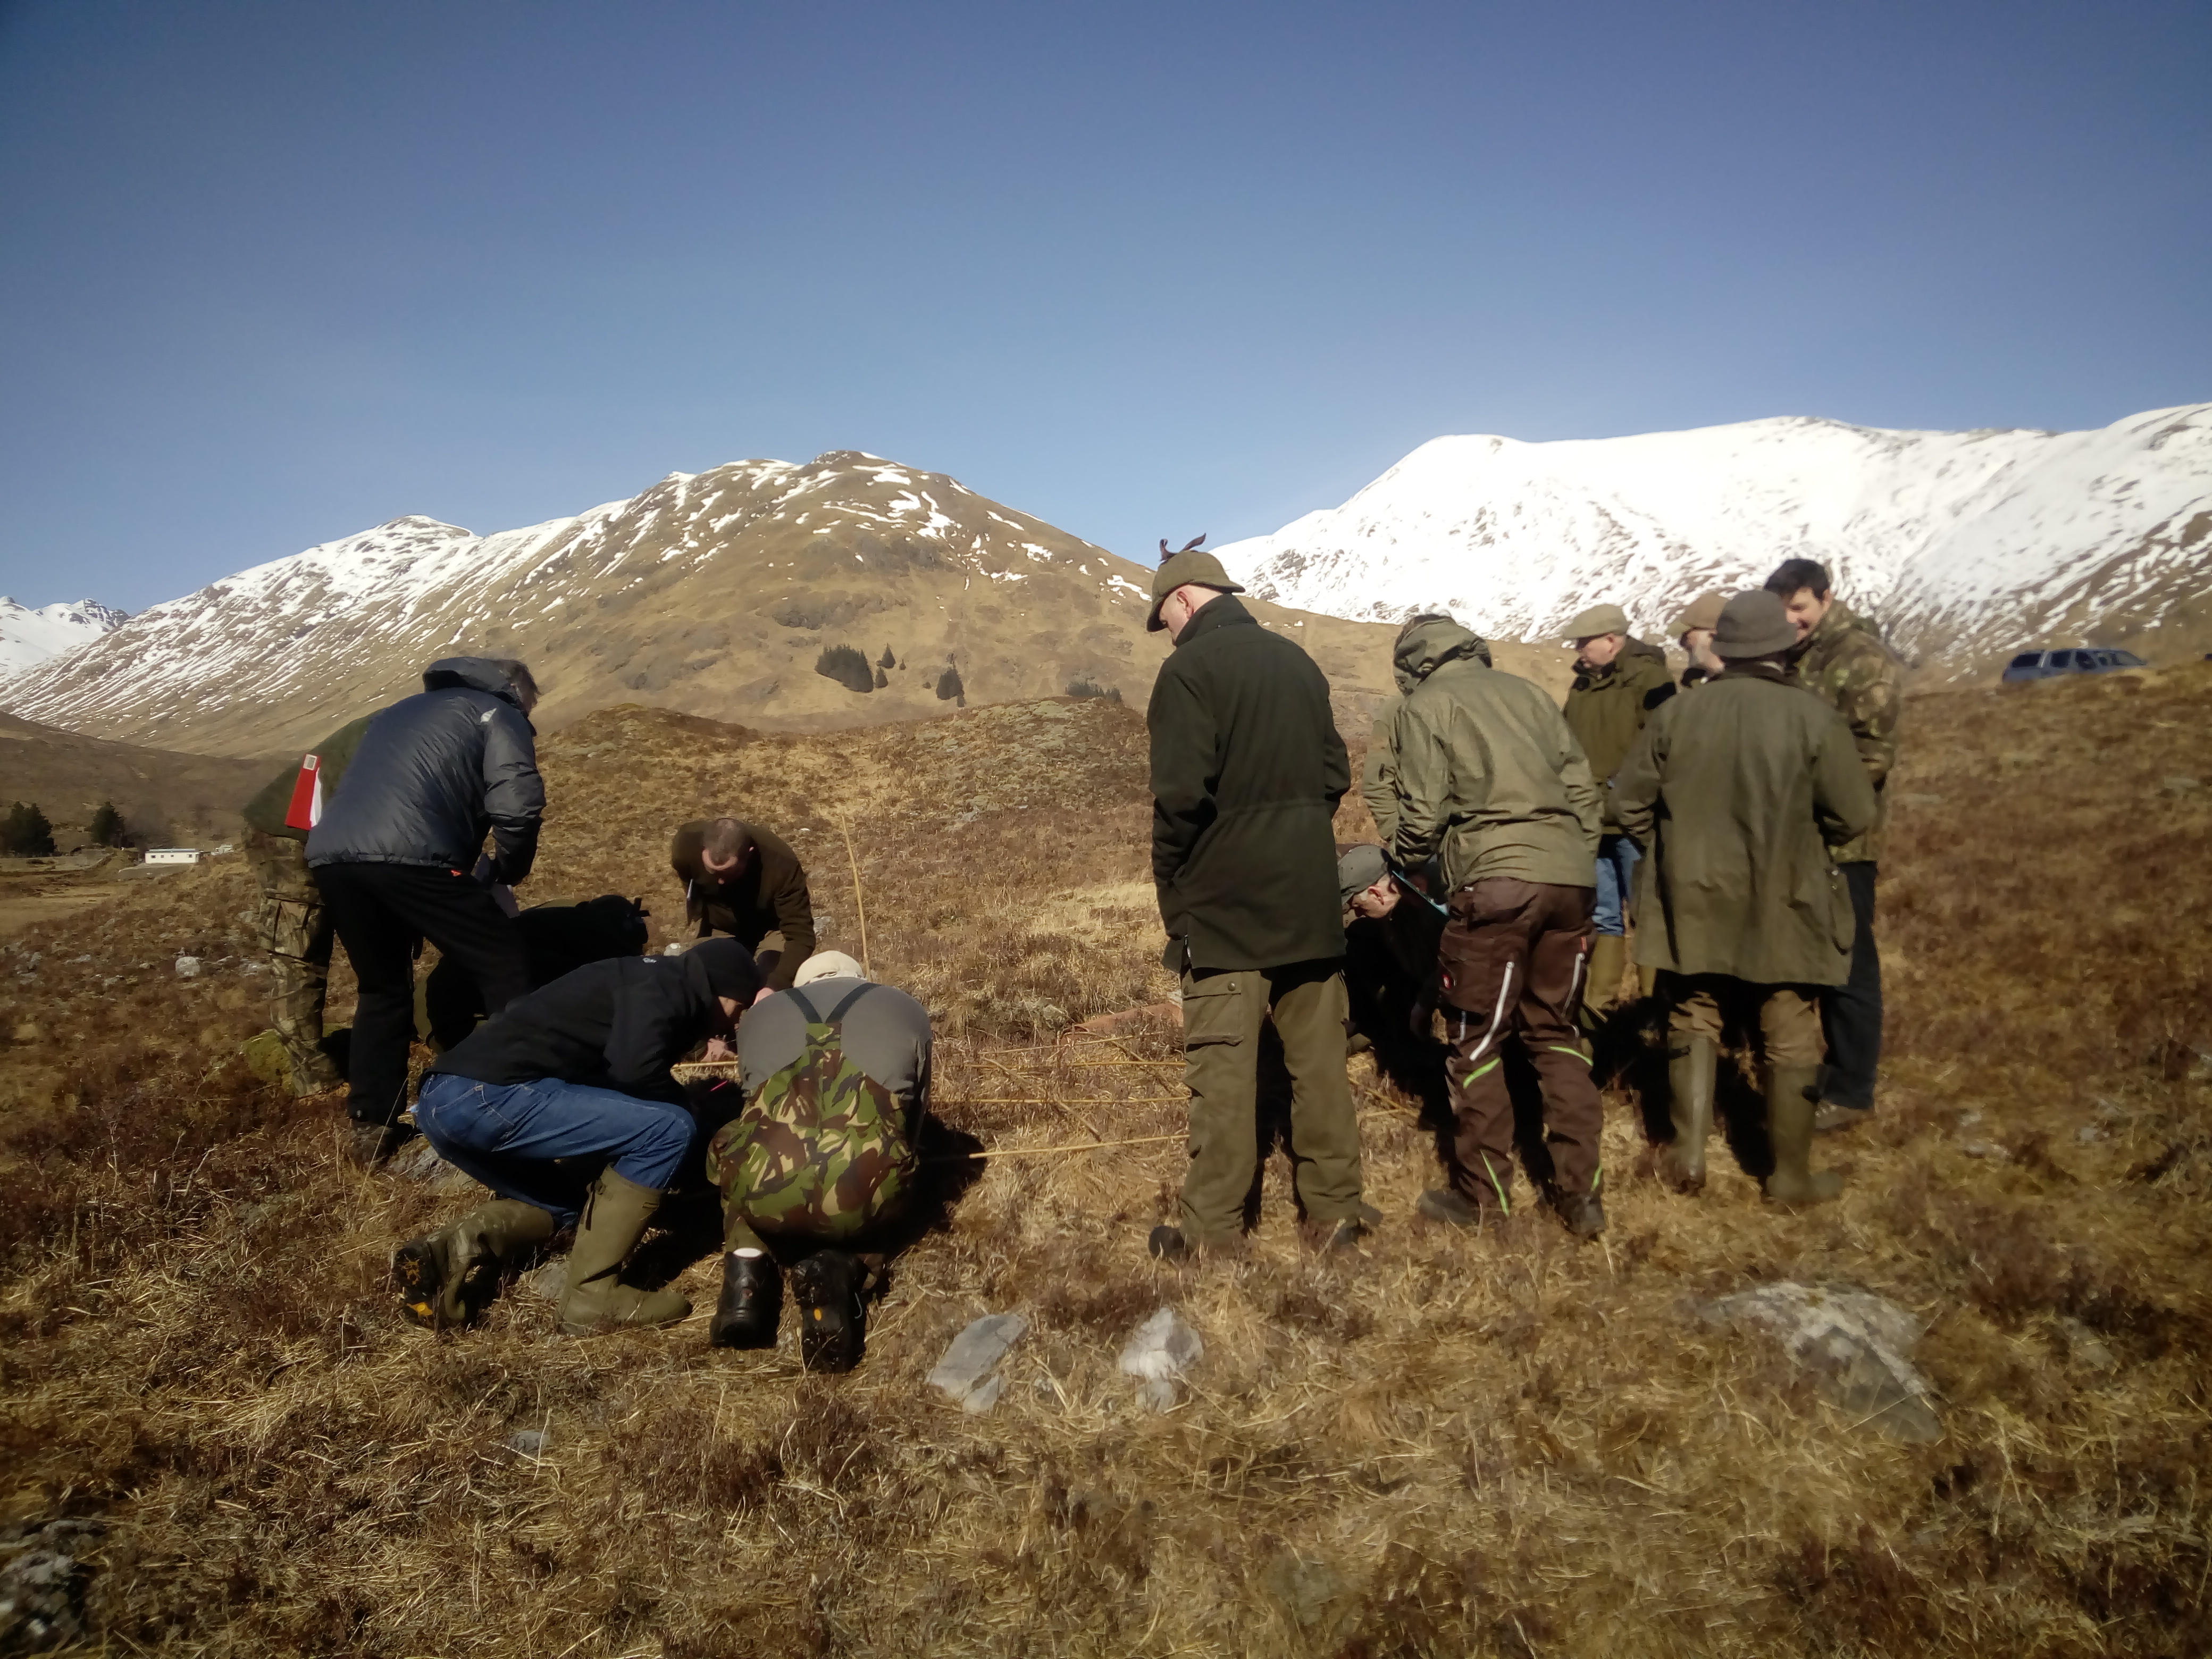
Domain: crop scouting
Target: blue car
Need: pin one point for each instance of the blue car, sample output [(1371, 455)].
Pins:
[(2050, 664)]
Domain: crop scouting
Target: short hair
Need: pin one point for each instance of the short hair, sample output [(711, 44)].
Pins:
[(519, 677), (726, 839), (1796, 575)]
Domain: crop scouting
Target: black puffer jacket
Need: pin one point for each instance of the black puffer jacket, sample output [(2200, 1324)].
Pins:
[(436, 771), (615, 1024)]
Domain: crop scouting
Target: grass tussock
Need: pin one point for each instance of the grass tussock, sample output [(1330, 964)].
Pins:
[(215, 1420)]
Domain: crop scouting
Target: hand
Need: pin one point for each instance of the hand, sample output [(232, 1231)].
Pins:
[(718, 1050), (762, 995)]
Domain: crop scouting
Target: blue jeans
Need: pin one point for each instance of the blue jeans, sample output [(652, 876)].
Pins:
[(1616, 859), (509, 1134)]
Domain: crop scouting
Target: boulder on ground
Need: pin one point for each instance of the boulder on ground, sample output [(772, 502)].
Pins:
[(1854, 1342), (968, 1373), (1162, 1351)]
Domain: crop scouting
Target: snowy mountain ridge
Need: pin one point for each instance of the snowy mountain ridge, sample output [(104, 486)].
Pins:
[(1965, 545), (29, 636), (845, 590)]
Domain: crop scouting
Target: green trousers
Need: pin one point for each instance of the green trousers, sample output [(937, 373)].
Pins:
[(1222, 1012)]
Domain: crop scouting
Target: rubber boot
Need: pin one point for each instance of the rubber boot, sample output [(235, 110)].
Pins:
[(751, 1303), (831, 1328), (1789, 1130), (1681, 1161), (615, 1215), (443, 1276), (1609, 958)]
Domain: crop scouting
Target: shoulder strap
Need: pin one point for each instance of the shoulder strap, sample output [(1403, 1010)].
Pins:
[(859, 991), (799, 997)]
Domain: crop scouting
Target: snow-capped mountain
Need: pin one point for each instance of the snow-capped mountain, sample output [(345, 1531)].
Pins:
[(29, 636), (848, 589), (1965, 545)]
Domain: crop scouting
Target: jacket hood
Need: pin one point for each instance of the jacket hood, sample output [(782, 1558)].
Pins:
[(1426, 646), (471, 673)]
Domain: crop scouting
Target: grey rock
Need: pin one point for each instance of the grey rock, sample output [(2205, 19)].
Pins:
[(2089, 1133), (550, 1281), (42, 1585), (1853, 1342), (967, 1373), (1988, 1149), (530, 1442), (188, 967), (418, 1160), (2083, 1347), (1162, 1352)]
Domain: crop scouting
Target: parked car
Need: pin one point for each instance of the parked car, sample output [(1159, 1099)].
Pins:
[(2050, 664)]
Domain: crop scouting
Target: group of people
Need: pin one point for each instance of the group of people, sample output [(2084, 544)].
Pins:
[(1729, 824), (1732, 831), (554, 1035)]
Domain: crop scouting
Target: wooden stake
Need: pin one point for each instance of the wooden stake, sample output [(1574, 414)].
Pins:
[(845, 828)]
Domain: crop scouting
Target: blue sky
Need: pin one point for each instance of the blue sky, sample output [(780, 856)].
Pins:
[(271, 274)]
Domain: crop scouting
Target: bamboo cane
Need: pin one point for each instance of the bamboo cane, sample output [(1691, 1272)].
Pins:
[(860, 905), (1027, 1151)]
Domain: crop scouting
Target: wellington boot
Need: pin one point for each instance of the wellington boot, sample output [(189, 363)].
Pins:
[(1609, 959), (446, 1276), (615, 1215), (1582, 1215), (1789, 1130), (751, 1303), (832, 1320), (1681, 1161)]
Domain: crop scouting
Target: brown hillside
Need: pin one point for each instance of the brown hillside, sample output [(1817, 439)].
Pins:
[(722, 594), (1512, 1446), (161, 794)]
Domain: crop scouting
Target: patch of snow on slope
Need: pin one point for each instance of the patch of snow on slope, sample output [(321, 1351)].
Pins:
[(29, 636)]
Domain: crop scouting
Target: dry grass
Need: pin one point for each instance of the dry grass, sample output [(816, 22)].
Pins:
[(1514, 1445)]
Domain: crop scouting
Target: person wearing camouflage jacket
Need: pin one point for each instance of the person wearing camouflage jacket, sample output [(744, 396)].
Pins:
[(836, 1074), (294, 923), (1489, 774), (1840, 657)]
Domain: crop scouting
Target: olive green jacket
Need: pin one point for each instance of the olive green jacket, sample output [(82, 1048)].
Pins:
[(1738, 796), (1845, 662), (1488, 771), (1247, 769), (1608, 708), (769, 896), (1378, 780), (266, 811)]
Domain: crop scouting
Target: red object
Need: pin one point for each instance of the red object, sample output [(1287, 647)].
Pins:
[(306, 811)]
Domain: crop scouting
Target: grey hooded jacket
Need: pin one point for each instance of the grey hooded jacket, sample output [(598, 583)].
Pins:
[(433, 773)]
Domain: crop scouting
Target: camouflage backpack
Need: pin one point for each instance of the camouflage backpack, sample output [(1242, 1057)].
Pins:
[(819, 1150)]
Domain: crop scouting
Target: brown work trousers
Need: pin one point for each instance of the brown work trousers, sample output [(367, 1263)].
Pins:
[(1706, 1004), (1222, 1013), (1514, 957)]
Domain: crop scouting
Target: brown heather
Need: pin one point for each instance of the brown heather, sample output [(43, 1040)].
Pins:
[(1515, 1445)]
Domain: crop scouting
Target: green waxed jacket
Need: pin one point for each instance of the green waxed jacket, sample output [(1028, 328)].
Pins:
[(1738, 796), (1488, 771), (1845, 663), (1378, 779), (1247, 770), (266, 811), (1607, 708)]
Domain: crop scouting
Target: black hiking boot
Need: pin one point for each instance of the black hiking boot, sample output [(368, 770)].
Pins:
[(751, 1303), (832, 1322), (1582, 1215), (1169, 1244), (1452, 1207), (372, 1145)]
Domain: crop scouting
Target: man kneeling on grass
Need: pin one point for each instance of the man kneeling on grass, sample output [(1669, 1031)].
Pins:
[(836, 1082), (555, 1085)]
